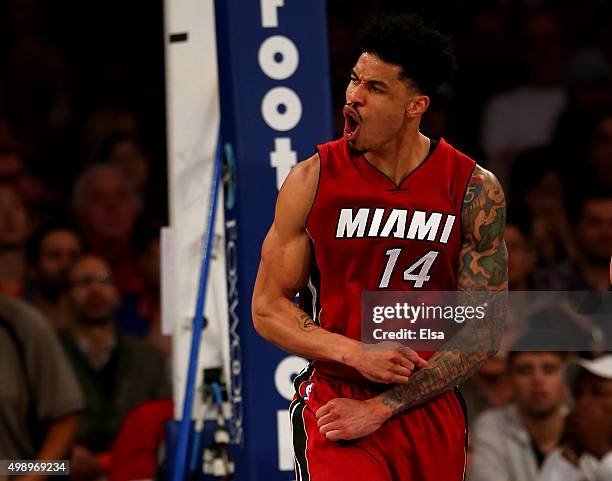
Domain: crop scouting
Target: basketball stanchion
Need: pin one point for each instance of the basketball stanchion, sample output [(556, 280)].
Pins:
[(217, 461), (179, 468)]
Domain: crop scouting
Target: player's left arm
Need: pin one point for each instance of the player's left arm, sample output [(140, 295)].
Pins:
[(482, 273)]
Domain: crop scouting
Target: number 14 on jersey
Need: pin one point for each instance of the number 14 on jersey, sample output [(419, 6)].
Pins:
[(423, 265)]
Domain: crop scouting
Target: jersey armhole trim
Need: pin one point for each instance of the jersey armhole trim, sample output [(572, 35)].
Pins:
[(467, 184), (314, 199)]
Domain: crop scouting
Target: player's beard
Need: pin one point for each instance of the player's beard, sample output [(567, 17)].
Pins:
[(357, 150)]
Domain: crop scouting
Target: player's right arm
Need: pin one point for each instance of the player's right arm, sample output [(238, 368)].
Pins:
[(284, 270)]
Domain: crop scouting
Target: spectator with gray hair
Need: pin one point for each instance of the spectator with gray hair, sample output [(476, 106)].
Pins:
[(106, 208)]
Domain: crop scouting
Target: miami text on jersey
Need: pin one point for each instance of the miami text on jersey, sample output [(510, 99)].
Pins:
[(372, 222)]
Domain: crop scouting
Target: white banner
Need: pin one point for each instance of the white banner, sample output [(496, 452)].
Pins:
[(193, 122)]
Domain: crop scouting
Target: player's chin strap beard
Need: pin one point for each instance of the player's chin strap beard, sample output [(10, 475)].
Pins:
[(355, 151)]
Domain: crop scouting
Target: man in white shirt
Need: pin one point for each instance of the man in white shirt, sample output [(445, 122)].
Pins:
[(586, 453), (510, 443)]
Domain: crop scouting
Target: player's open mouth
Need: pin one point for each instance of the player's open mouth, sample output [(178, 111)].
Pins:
[(351, 123)]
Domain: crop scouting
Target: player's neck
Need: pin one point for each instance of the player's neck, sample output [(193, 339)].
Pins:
[(400, 157)]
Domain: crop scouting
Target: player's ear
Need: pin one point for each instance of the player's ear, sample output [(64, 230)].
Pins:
[(417, 105)]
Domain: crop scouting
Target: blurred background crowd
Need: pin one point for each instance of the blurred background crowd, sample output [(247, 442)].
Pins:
[(83, 195)]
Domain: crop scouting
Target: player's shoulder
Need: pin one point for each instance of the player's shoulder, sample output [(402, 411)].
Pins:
[(297, 193), (306, 171), (484, 176), (303, 178), (483, 190)]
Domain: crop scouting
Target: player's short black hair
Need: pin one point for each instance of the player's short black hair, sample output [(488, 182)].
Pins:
[(425, 55)]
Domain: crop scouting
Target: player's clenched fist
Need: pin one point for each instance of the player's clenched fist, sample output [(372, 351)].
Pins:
[(386, 362), (345, 419)]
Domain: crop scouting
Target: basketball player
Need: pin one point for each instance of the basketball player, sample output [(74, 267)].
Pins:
[(383, 208)]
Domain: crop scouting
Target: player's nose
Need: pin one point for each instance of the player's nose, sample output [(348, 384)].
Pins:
[(355, 94)]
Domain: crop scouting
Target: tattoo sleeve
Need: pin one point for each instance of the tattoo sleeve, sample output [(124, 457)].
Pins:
[(482, 272)]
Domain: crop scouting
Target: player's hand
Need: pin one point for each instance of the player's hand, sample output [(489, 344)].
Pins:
[(345, 419), (386, 362)]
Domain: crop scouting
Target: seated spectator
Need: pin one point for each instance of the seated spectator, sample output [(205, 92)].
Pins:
[(13, 169), (106, 207), (103, 124), (51, 253), (586, 451), (510, 443), (588, 271), (125, 152), (39, 395), (537, 205), (600, 150), (521, 263), (141, 315), (521, 259), (115, 371), (14, 232), (488, 388), (526, 116), (589, 83)]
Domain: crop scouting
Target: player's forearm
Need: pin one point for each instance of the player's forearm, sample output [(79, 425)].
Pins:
[(291, 329), (456, 361), (445, 371)]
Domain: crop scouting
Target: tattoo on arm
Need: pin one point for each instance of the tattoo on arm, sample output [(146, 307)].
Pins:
[(306, 323), (482, 274)]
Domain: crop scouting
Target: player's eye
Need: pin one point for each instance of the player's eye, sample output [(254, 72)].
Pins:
[(375, 89), (354, 80)]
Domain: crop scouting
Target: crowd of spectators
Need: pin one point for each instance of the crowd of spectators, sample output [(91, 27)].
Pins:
[(82, 197)]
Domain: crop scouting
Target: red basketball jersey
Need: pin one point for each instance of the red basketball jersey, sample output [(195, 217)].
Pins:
[(369, 234)]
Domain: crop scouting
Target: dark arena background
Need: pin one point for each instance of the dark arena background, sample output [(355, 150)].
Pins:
[(142, 147)]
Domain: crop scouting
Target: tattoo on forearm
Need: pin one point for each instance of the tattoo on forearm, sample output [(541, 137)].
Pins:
[(306, 323), (445, 371), (482, 273)]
